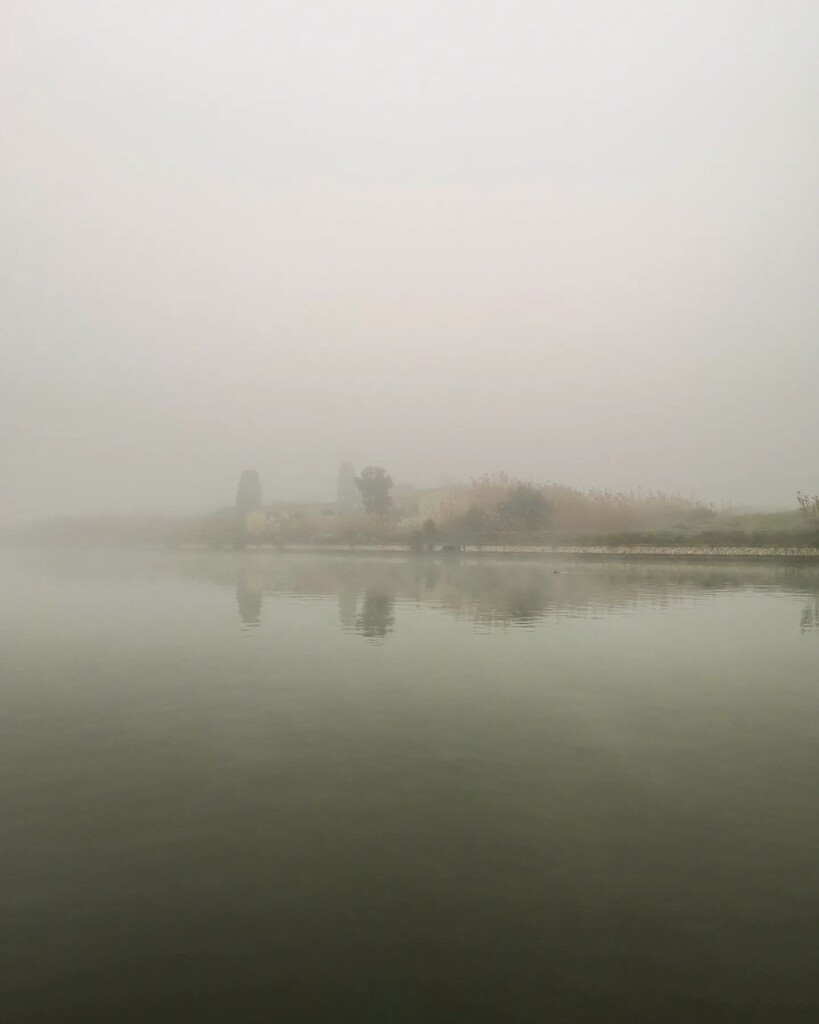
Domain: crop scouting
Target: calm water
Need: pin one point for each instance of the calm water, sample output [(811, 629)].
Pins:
[(257, 787)]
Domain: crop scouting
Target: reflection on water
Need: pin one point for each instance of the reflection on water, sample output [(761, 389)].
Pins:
[(427, 790), (376, 618), (491, 593), (249, 598), (373, 592), (347, 608)]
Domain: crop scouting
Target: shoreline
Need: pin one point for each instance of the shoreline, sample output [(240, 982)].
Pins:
[(637, 551)]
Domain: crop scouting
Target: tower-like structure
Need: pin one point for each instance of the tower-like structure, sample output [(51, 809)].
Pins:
[(249, 492)]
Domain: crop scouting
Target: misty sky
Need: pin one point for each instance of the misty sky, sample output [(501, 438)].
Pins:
[(576, 241)]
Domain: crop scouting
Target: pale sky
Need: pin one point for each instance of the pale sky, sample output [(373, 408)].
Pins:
[(576, 241)]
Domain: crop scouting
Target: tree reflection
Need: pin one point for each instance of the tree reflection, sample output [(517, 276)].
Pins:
[(492, 592), (526, 606), (249, 597), (376, 618), (810, 615)]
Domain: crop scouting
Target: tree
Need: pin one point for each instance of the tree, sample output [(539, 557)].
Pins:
[(425, 538), (808, 505), (429, 532), (526, 508), (477, 520), (374, 486), (249, 492)]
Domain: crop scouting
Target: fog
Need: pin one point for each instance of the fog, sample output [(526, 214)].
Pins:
[(572, 241)]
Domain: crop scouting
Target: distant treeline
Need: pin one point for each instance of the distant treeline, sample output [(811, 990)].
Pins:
[(492, 509)]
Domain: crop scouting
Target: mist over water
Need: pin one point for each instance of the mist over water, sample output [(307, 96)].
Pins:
[(391, 789)]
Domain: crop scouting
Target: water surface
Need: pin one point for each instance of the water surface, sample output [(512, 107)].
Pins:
[(256, 787)]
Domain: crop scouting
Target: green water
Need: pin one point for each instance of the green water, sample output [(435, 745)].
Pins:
[(263, 787)]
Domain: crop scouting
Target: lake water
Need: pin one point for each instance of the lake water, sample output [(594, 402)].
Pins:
[(262, 787)]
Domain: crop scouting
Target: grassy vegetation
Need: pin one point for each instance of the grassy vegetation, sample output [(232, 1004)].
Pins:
[(599, 517), (493, 510)]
